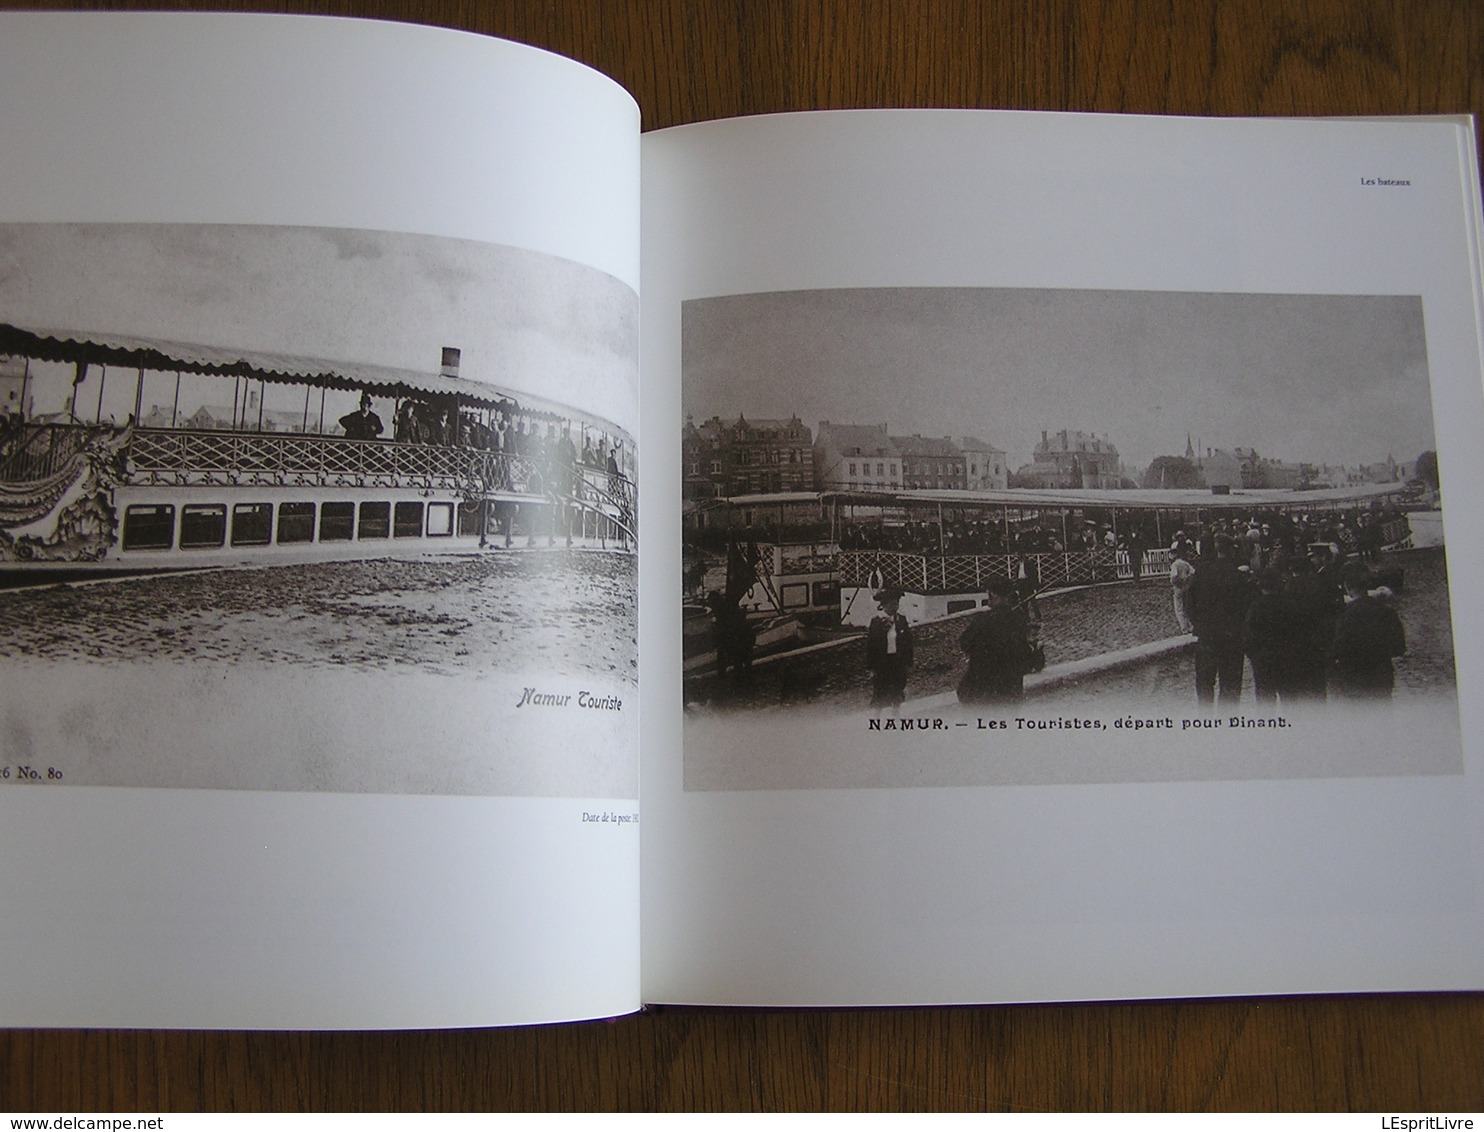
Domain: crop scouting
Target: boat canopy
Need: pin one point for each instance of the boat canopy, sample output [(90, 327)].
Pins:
[(1162, 499), (279, 369)]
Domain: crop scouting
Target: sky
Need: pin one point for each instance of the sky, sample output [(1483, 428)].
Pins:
[(526, 321), (1339, 379)]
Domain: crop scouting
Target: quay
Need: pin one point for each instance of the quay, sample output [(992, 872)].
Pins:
[(1106, 641)]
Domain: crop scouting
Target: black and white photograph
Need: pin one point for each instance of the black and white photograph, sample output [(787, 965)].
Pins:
[(969, 536), (315, 509)]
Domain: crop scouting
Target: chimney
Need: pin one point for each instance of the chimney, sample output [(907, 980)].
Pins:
[(450, 367)]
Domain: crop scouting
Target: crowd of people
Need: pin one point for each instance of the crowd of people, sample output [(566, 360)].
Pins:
[(964, 536), (1312, 628), (1301, 598), (1304, 605), (1279, 538), (552, 457), (1267, 536), (1002, 645), (549, 463)]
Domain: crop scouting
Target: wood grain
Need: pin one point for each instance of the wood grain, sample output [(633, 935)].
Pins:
[(1383, 1052), (690, 61)]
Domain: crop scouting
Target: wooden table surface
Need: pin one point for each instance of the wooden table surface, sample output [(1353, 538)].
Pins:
[(688, 61)]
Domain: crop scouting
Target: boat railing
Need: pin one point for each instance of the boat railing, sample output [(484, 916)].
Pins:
[(199, 456), (39, 450), (1396, 533), (973, 573), (611, 493), (819, 562)]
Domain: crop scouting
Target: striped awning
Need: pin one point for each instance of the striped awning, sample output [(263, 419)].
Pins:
[(281, 369)]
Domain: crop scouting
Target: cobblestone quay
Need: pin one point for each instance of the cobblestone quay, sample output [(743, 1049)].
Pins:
[(1425, 671), (560, 609), (1082, 623)]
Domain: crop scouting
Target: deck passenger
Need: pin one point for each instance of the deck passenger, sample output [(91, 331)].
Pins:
[(363, 424), (405, 430), (563, 455)]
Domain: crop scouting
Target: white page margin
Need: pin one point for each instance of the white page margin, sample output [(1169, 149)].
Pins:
[(351, 124), (916, 896)]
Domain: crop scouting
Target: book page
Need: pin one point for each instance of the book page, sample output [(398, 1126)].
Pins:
[(1064, 605), (318, 354)]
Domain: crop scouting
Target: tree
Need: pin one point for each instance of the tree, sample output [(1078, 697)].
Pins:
[(1427, 468), (1022, 480), (1173, 472)]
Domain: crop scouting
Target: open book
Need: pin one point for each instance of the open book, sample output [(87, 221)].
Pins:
[(1012, 569)]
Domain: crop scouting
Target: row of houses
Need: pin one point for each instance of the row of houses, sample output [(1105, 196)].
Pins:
[(750, 456), (851, 456), (742, 456), (1245, 469)]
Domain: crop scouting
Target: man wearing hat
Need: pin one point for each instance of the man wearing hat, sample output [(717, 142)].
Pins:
[(1368, 633), (998, 651), (1218, 599), (362, 424), (1315, 601), (888, 651), (1182, 573)]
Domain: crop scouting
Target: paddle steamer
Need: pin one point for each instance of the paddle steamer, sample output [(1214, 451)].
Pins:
[(123, 454)]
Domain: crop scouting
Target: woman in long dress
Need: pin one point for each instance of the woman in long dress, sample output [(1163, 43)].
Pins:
[(889, 652)]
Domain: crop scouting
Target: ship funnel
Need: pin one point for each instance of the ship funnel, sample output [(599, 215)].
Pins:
[(450, 367)]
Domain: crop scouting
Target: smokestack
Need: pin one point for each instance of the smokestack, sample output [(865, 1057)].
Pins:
[(450, 367)]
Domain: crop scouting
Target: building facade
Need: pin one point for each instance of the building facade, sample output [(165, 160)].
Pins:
[(931, 462), (850, 457), (1221, 470), (1074, 459), (741, 457), (1259, 472), (13, 387), (985, 466), (1387, 471)]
